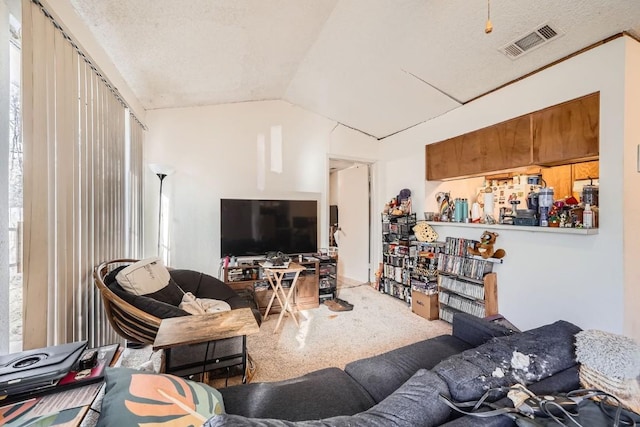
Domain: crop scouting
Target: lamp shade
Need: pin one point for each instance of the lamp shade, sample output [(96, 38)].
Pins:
[(161, 169)]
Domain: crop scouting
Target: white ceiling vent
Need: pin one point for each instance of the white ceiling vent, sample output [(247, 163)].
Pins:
[(542, 35)]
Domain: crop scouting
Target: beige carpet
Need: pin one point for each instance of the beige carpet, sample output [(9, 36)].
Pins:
[(325, 338), (376, 324)]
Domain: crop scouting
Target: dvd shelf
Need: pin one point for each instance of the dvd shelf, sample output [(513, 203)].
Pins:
[(461, 303), (398, 255), (328, 280), (467, 289), (457, 293), (465, 283), (464, 266), (424, 267), (424, 279)]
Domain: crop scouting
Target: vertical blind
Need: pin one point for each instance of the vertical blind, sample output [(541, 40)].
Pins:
[(82, 185)]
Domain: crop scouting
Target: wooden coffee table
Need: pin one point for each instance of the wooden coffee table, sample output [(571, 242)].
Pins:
[(202, 328)]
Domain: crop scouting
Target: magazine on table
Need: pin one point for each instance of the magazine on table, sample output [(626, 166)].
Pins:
[(94, 372), (91, 372)]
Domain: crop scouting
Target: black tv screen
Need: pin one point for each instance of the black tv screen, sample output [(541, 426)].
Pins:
[(250, 227)]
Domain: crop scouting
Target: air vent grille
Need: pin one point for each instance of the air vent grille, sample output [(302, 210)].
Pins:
[(547, 32), (529, 41), (536, 38)]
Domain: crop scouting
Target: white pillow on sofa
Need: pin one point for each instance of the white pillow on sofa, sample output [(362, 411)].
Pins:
[(144, 277)]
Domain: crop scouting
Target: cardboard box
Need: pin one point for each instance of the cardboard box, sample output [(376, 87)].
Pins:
[(425, 305)]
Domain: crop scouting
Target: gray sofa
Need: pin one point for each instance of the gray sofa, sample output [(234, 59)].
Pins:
[(402, 387)]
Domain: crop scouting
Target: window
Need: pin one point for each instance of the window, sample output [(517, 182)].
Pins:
[(82, 180), (15, 188)]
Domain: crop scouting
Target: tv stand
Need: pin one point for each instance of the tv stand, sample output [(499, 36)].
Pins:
[(249, 275)]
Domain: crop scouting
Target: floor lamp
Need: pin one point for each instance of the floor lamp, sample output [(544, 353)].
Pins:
[(161, 171)]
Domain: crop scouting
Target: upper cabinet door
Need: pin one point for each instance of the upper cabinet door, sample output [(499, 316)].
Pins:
[(567, 132), (507, 145), (585, 170), (455, 157), (501, 146)]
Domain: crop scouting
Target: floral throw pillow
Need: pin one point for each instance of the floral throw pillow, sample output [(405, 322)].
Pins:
[(142, 398)]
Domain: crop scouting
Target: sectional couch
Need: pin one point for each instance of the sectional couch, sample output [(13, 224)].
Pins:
[(403, 387)]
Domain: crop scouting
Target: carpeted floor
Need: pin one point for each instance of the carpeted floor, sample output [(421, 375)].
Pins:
[(325, 338), (376, 324)]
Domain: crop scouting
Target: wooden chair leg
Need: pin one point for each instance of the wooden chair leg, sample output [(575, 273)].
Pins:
[(163, 362)]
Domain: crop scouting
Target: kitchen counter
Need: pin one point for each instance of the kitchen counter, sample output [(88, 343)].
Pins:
[(531, 229)]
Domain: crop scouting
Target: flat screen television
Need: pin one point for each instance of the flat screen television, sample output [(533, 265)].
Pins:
[(251, 227)]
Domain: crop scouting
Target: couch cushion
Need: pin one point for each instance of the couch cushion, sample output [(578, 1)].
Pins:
[(203, 285), (415, 403), (148, 277), (142, 398), (561, 382), (144, 277), (475, 330), (319, 394), (524, 357), (146, 303), (381, 375)]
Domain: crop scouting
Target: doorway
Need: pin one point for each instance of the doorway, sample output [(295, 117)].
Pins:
[(350, 193)]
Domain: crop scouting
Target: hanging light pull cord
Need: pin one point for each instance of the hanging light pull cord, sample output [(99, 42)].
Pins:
[(489, 27)]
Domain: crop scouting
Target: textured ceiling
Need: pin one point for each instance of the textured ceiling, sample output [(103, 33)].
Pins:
[(379, 66)]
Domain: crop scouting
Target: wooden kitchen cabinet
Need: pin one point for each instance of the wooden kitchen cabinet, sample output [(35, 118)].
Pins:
[(439, 159), (501, 146), (559, 135), (507, 145), (585, 170), (455, 157), (567, 132), (559, 177)]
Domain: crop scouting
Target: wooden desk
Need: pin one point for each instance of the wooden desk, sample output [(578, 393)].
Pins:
[(275, 275), (204, 328)]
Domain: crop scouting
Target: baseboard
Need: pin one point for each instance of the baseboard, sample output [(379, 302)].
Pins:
[(345, 282)]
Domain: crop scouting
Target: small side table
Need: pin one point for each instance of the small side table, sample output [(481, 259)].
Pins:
[(201, 328), (275, 275)]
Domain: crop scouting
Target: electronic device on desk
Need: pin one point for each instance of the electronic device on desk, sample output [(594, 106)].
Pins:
[(38, 369), (84, 367)]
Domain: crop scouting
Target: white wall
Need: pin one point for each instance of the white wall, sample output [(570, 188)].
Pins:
[(631, 191), (333, 189), (544, 277), (213, 150)]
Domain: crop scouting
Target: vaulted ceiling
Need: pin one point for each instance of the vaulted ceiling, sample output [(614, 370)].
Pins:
[(378, 66)]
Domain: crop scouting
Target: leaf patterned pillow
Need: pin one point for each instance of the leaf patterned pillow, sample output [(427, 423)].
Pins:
[(135, 398)]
